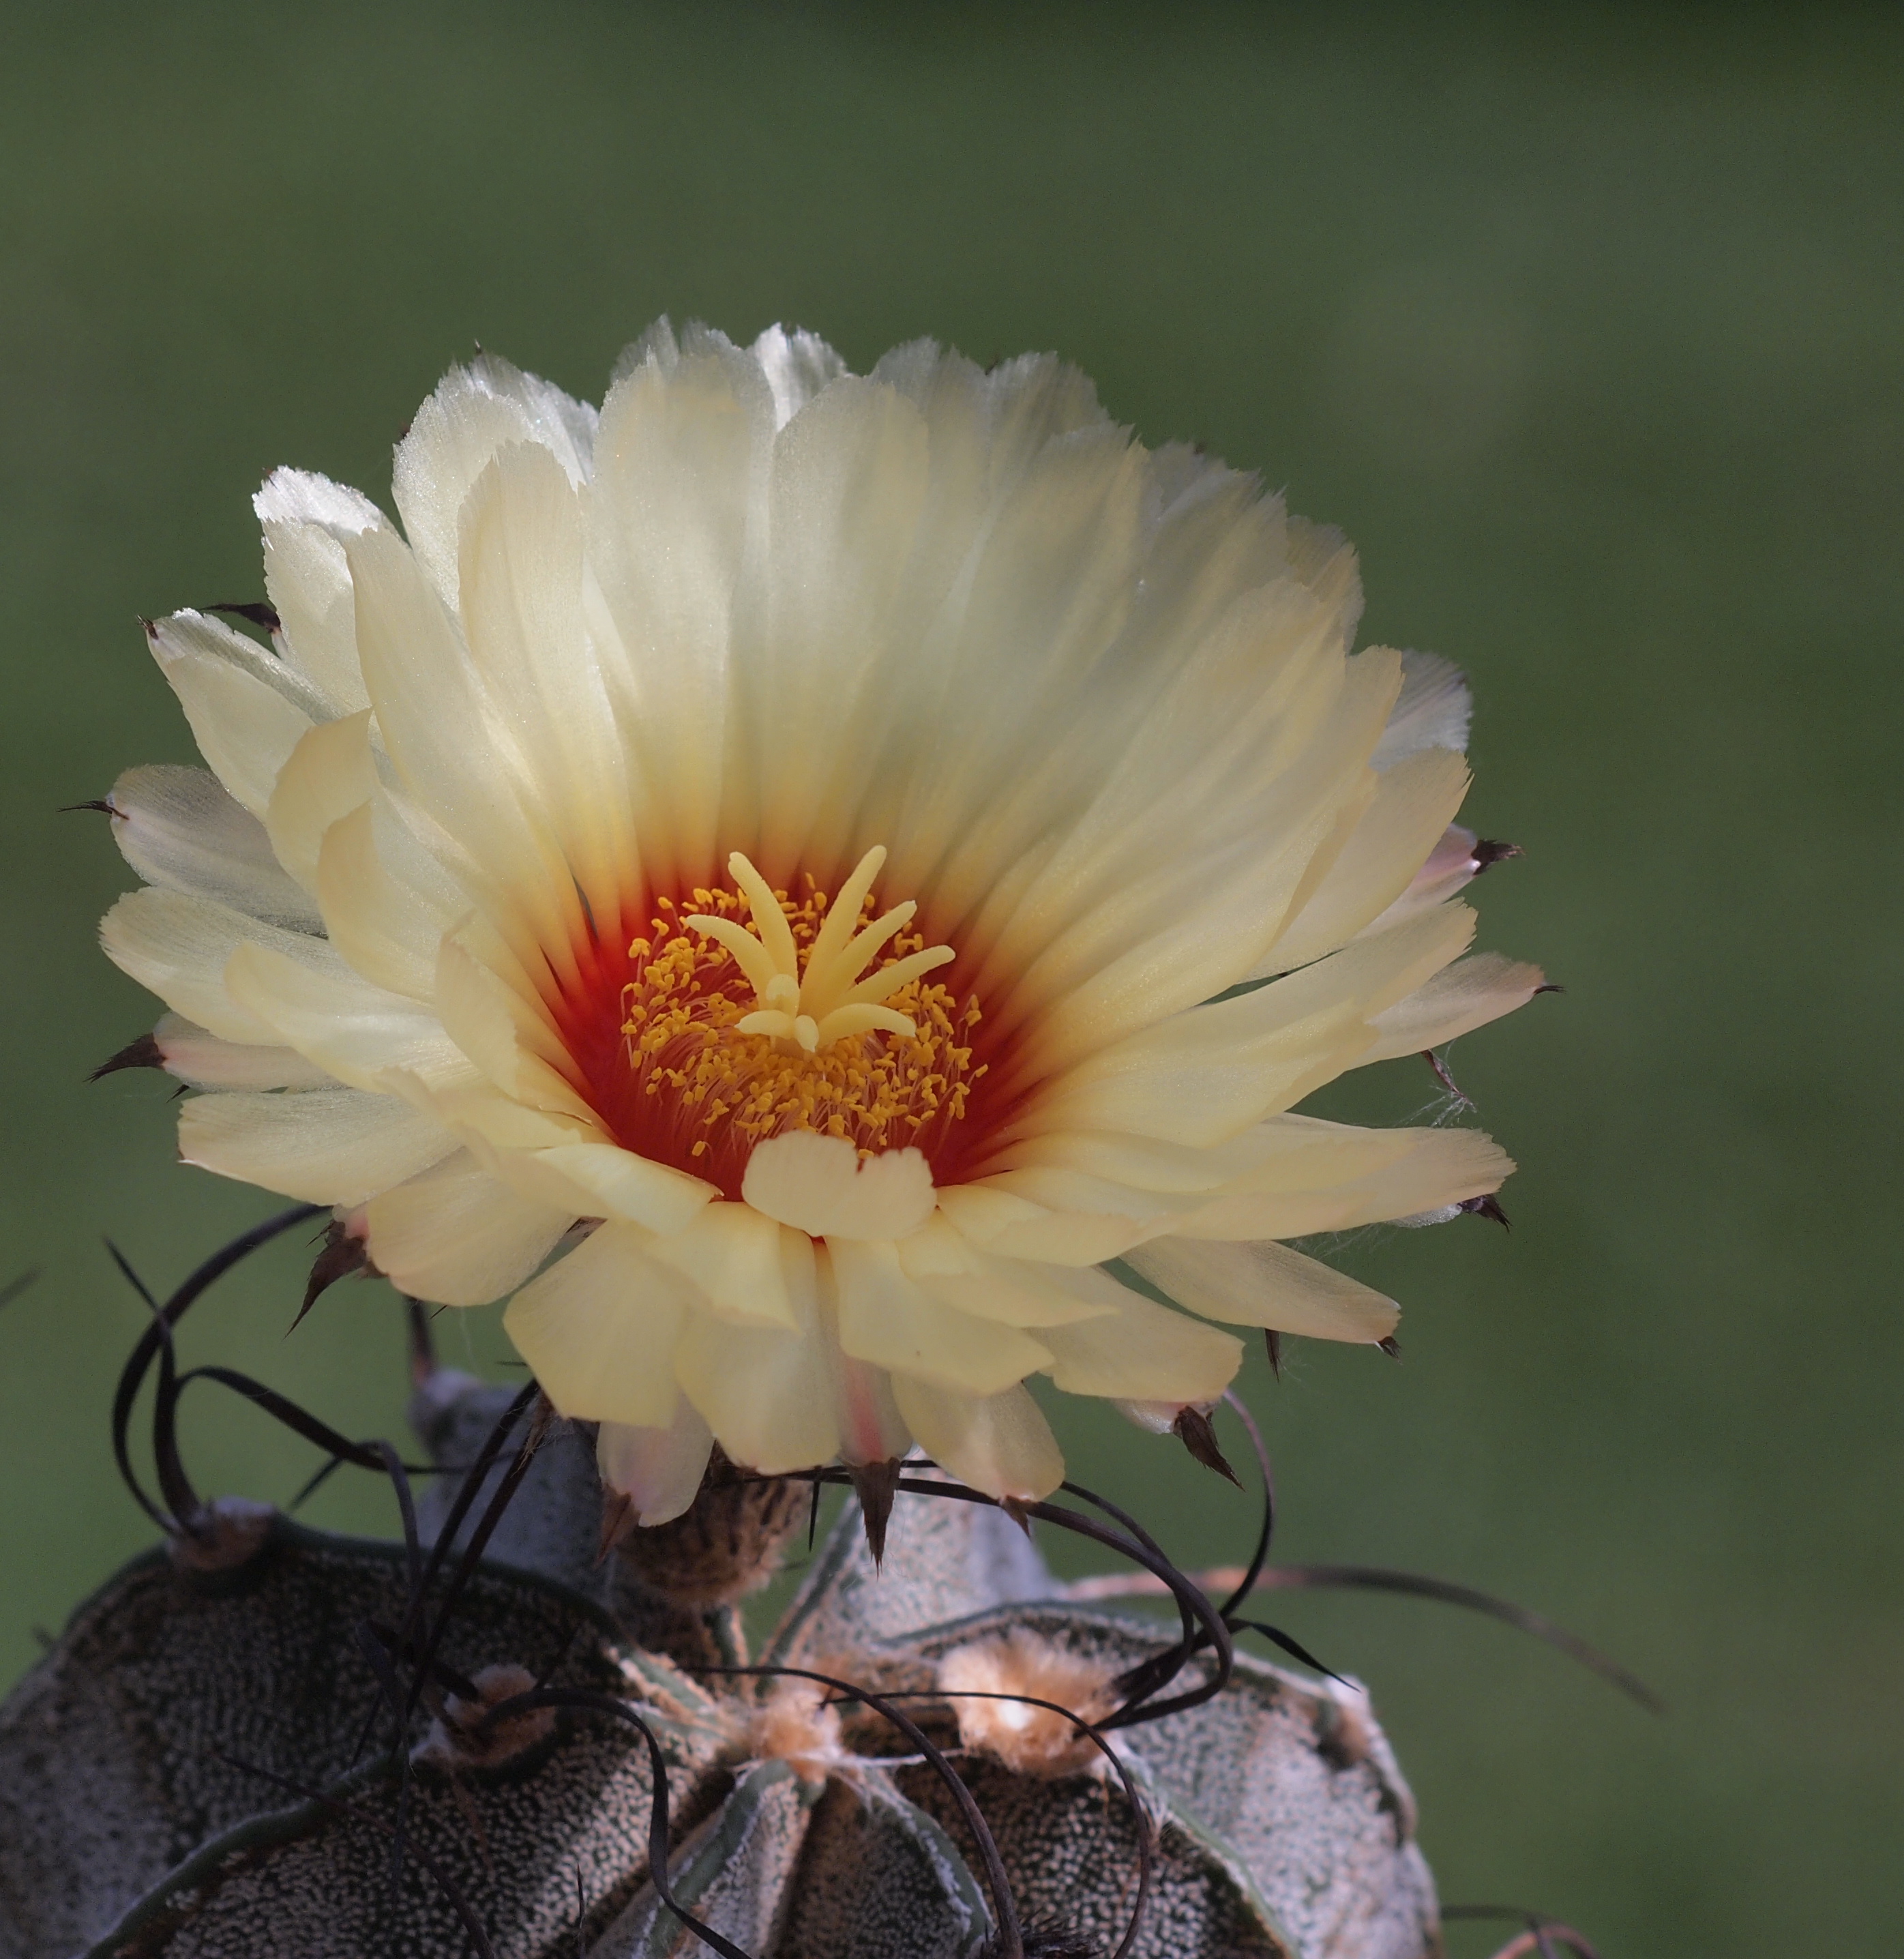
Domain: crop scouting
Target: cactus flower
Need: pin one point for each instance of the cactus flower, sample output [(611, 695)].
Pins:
[(821, 887)]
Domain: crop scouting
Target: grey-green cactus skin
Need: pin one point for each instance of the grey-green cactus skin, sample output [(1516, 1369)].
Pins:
[(181, 1776)]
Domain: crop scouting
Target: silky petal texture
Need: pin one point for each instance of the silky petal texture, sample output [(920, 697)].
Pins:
[(797, 365), (326, 1146), (772, 1395), (1414, 803), (178, 947), (731, 1252), (1433, 711), (999, 1221), (999, 1444), (1202, 1077), (478, 411), (1098, 707), (305, 518), (1455, 1001), (457, 1236), (450, 750), (489, 1021), (246, 717), (1265, 1285), (1142, 1352), (358, 1032), (605, 1181), (659, 1470), (329, 774), (1449, 867), (888, 1321), (387, 929), (599, 1329), (182, 829), (818, 1185), (943, 1263), (201, 1060), (522, 554)]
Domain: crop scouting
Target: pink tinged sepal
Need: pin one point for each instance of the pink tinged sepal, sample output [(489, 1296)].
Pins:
[(658, 1470)]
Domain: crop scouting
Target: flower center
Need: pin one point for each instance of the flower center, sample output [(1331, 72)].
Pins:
[(819, 1017)]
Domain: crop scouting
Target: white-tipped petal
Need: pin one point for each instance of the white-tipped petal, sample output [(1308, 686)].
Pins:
[(1433, 711), (797, 365), (182, 829), (245, 718), (476, 412), (818, 1185), (658, 1470), (305, 518), (999, 1444)]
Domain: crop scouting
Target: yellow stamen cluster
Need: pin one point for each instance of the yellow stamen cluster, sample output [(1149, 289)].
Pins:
[(765, 1031)]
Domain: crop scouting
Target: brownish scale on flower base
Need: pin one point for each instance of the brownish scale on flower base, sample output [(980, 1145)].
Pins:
[(655, 1032)]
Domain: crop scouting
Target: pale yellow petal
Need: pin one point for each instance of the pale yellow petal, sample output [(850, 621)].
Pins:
[(770, 1395), (999, 1444), (889, 1322), (246, 717), (598, 1330), (329, 773), (1015, 1292), (326, 1145), (304, 517), (1454, 1001), (1265, 1285), (357, 1031), (818, 1185), (997, 1222), (202, 1060), (1202, 1077), (732, 1253), (383, 927), (1143, 1352), (1412, 805), (610, 1182), (456, 1236), (178, 947)]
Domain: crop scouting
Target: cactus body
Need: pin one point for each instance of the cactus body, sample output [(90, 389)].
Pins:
[(185, 1774)]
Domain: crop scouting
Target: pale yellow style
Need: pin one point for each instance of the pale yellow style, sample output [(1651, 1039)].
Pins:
[(748, 873)]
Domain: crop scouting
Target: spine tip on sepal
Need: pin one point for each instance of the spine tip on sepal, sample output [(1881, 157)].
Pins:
[(1486, 1205), (1197, 1433), (342, 1253), (143, 1053), (874, 1484)]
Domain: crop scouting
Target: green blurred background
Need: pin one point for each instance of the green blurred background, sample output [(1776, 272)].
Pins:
[(1584, 323)]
